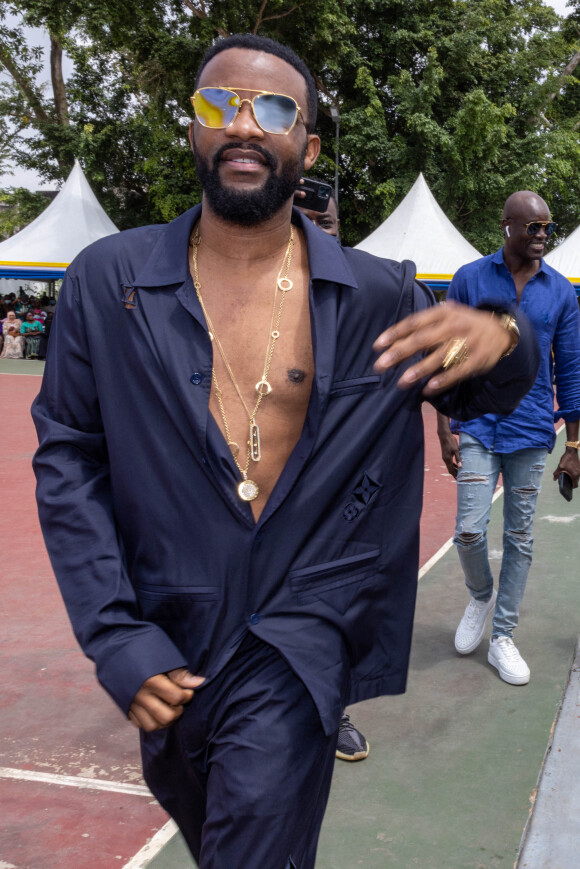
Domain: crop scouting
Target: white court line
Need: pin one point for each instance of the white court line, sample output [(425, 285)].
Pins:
[(75, 781), (17, 374), (435, 558), (153, 847), (448, 544)]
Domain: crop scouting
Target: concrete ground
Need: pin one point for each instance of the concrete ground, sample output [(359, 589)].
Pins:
[(454, 763)]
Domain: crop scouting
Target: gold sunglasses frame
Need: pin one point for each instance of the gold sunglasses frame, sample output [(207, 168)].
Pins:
[(543, 224), (251, 102)]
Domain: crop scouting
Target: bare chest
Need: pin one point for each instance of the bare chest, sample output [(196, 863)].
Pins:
[(263, 370)]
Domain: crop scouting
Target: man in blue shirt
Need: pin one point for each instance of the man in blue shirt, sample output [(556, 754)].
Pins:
[(230, 471), (515, 444)]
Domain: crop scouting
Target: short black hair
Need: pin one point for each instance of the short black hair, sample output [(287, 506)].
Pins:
[(270, 46)]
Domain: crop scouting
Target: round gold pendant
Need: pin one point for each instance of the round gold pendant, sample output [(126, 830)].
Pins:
[(263, 387), (248, 490)]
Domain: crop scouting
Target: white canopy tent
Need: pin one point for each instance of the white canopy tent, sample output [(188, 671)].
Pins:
[(419, 230), (566, 258), (44, 248)]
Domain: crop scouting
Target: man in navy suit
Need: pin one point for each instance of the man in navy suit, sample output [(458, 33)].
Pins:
[(230, 471)]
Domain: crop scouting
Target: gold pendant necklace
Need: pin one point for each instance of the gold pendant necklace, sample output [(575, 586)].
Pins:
[(247, 490)]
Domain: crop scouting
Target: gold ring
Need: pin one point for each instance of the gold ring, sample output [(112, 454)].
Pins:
[(456, 352)]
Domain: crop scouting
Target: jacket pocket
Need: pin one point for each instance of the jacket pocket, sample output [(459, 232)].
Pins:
[(356, 385), (171, 592), (333, 582), (187, 614)]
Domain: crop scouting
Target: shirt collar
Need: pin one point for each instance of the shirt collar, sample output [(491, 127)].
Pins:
[(497, 257), (326, 258), (168, 262)]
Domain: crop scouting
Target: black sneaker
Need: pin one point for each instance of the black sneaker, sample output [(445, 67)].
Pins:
[(351, 743)]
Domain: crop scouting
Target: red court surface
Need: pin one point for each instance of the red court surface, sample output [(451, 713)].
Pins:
[(71, 793)]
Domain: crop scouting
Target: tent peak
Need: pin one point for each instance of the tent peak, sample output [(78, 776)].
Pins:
[(73, 220), (418, 229)]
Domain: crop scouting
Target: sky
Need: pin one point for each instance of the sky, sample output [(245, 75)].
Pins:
[(24, 178)]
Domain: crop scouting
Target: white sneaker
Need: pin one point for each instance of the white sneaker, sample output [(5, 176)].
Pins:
[(504, 656), (471, 628)]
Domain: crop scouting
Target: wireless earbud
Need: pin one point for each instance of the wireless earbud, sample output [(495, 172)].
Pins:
[(507, 231)]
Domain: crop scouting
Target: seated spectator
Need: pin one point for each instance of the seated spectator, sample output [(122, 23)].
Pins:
[(44, 336), (8, 303), (21, 306), (32, 330), (13, 339)]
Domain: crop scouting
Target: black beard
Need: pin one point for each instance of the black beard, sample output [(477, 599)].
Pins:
[(249, 208)]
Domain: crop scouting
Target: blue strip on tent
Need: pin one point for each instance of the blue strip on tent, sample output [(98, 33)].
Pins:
[(31, 274)]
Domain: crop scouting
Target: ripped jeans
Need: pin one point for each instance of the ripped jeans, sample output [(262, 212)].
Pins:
[(476, 481)]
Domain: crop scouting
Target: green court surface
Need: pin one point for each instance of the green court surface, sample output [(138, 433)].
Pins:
[(455, 762), (21, 366)]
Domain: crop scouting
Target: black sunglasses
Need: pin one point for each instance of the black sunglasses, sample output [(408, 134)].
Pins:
[(533, 227)]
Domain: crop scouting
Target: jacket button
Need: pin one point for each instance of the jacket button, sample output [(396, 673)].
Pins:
[(196, 378), (255, 618)]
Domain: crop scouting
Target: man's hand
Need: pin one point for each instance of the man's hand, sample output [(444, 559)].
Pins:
[(430, 332), (570, 463), (160, 699), (300, 193), (449, 445)]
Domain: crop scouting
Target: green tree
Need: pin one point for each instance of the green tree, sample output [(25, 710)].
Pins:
[(480, 95), (19, 208)]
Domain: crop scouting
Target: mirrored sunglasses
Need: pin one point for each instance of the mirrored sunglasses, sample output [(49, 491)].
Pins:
[(533, 227), (217, 108)]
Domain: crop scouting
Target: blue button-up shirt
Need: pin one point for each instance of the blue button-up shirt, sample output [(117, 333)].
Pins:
[(160, 563), (550, 303)]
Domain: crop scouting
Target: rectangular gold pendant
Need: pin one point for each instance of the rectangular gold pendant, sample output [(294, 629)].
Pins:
[(255, 452)]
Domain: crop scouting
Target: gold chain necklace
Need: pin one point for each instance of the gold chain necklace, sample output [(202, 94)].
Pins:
[(247, 490)]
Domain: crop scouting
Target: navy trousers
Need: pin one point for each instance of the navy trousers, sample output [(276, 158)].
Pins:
[(246, 770)]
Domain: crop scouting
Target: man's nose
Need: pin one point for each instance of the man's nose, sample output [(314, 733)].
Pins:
[(245, 125)]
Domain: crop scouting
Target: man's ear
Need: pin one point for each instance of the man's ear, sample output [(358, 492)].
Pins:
[(190, 136), (312, 151)]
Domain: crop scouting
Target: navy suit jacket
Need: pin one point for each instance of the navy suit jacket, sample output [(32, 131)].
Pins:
[(159, 562)]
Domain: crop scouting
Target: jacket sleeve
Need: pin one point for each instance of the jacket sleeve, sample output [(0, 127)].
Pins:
[(78, 519), (502, 388)]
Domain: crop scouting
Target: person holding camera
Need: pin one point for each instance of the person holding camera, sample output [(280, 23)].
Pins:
[(514, 444)]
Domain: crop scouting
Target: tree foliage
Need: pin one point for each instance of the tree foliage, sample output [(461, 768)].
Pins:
[(482, 96), (19, 207)]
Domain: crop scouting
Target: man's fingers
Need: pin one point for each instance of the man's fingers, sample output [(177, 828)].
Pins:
[(429, 319), (153, 717), (150, 713), (431, 367), (184, 678), (446, 379), (161, 698), (398, 345), (166, 689), (434, 333)]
